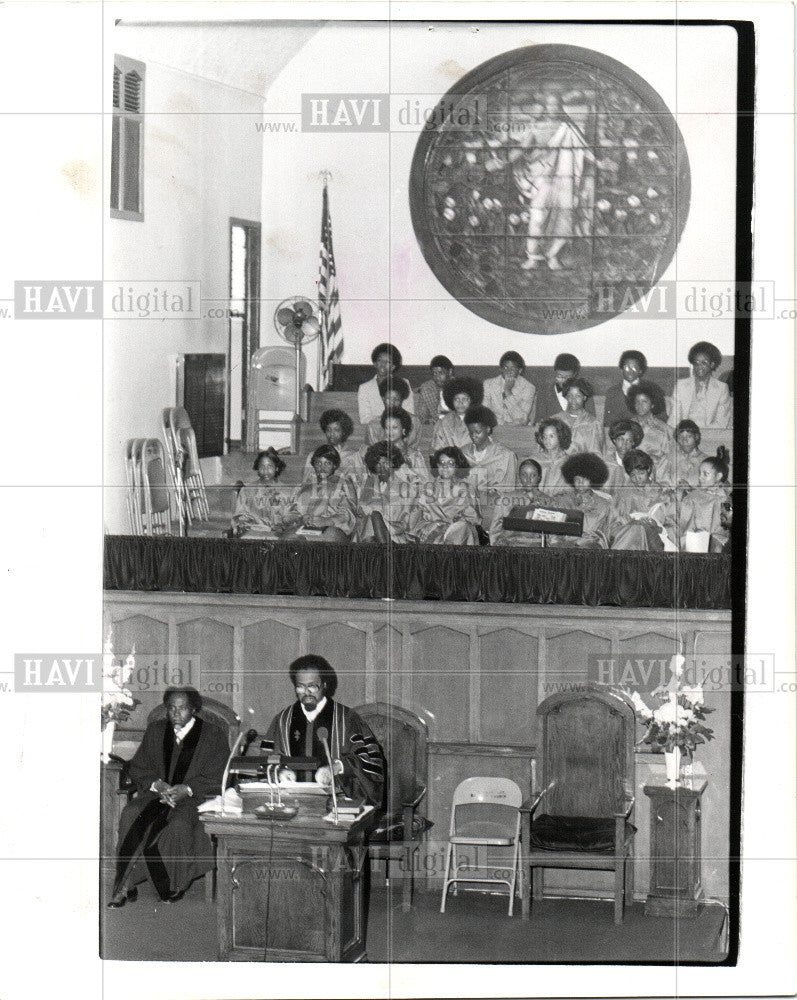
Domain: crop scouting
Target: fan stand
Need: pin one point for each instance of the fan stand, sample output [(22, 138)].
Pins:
[(298, 401)]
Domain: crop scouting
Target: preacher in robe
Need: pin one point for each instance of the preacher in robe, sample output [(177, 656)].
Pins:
[(357, 759)]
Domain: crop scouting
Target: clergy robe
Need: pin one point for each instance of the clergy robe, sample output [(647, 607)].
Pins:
[(173, 842), (350, 741)]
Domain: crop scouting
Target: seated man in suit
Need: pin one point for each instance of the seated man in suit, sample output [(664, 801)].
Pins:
[(179, 764), (357, 758), (551, 400)]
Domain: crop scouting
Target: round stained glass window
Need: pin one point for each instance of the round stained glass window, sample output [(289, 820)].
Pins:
[(549, 189)]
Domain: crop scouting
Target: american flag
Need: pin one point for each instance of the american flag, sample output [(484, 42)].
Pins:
[(328, 301)]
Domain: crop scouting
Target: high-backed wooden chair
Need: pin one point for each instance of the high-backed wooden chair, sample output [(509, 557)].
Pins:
[(581, 818), (404, 739)]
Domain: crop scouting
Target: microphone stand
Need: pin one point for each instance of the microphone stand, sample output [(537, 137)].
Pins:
[(322, 738)]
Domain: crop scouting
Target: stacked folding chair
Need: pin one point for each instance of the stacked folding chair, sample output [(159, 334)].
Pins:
[(183, 460), (149, 492)]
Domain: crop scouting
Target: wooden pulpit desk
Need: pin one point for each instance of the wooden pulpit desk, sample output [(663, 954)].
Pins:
[(290, 890)]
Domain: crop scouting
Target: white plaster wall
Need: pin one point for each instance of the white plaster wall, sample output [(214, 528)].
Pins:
[(202, 165), (386, 286)]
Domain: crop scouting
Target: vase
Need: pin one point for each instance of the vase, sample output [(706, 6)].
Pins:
[(672, 764), (107, 740)]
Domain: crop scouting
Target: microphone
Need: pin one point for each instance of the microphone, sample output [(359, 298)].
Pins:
[(250, 737), (323, 737), (227, 768)]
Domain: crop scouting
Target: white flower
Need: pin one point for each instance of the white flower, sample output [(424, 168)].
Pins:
[(449, 202), (476, 195), (631, 156), (694, 695), (497, 203), (633, 201), (488, 203), (524, 216), (654, 219), (447, 161), (470, 157), (473, 220), (449, 213), (620, 213), (513, 219), (677, 664), (629, 143), (640, 707), (603, 205), (652, 192), (652, 154)]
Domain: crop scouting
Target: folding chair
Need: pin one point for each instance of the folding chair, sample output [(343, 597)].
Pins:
[(485, 813), (133, 479), (187, 460), (156, 489)]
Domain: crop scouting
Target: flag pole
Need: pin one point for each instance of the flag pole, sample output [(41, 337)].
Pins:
[(322, 339)]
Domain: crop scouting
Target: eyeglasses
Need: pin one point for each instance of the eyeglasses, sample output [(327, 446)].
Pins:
[(309, 688)]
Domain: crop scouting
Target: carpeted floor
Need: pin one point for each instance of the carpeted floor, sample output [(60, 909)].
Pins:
[(474, 929)]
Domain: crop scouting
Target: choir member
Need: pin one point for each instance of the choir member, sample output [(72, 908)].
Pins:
[(431, 403), (459, 394), (446, 512), (264, 509), (586, 433), (702, 397), (553, 437), (386, 359), (328, 502), (337, 428), (646, 510), (510, 396), (646, 403), (633, 365)]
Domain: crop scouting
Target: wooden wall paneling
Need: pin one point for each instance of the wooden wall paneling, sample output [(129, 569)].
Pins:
[(205, 656), (474, 687), (150, 636), (370, 667), (441, 678), (713, 657), (269, 646), (343, 644), (643, 659), (508, 686), (569, 653), (388, 671)]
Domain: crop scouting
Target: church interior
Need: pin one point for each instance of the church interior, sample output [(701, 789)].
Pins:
[(468, 639)]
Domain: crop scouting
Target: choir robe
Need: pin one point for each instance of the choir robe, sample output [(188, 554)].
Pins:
[(350, 741), (171, 841), (551, 404), (618, 477), (328, 504), (375, 432), (445, 514), (654, 500), (450, 431), (351, 464), (494, 465), (551, 464), (600, 519), (395, 501), (700, 509), (586, 431), (658, 443), (685, 468), (266, 510)]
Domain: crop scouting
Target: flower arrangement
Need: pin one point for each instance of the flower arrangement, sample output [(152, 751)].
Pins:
[(679, 720), (117, 700)]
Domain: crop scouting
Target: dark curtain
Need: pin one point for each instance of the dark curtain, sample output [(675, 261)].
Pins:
[(424, 572)]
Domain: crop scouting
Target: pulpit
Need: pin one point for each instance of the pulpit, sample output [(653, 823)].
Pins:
[(291, 891)]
